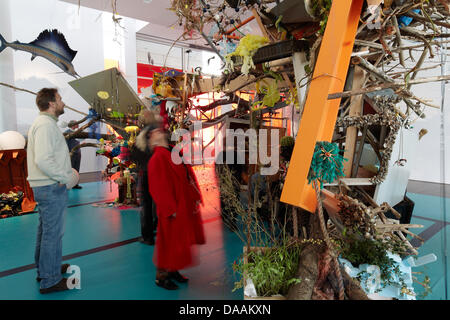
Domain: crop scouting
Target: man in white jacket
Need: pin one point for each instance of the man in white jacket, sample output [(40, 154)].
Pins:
[(49, 170)]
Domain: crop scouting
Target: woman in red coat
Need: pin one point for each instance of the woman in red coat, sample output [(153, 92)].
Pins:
[(177, 196)]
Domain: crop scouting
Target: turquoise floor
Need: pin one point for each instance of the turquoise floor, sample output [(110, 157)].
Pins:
[(115, 270), (434, 215), (102, 242)]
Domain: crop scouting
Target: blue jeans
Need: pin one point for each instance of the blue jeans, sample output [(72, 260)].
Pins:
[(52, 202)]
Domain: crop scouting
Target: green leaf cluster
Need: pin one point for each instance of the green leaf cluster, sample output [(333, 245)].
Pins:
[(359, 250), (321, 9), (272, 271), (287, 141)]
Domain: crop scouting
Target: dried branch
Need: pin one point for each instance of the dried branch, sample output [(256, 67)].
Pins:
[(385, 86)]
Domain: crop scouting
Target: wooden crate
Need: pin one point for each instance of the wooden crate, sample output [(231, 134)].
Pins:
[(13, 172)]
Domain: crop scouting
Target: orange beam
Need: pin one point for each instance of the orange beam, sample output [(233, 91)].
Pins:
[(243, 23), (230, 31), (233, 37), (319, 115)]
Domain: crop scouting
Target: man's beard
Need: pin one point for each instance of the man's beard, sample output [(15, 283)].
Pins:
[(59, 112)]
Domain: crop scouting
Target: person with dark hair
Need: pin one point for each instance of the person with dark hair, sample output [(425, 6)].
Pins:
[(75, 158), (49, 170), (239, 172), (176, 193), (140, 154)]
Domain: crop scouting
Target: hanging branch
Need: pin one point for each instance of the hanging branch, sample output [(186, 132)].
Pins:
[(83, 145), (403, 91), (415, 34), (399, 40), (79, 130), (16, 88), (416, 67), (382, 86), (423, 19)]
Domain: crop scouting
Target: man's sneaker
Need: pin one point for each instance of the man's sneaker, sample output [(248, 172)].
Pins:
[(149, 242), (60, 286), (77, 187), (64, 268)]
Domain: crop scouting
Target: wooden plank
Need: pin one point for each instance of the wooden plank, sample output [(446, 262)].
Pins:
[(398, 226), (351, 182), (360, 150), (261, 25), (355, 110)]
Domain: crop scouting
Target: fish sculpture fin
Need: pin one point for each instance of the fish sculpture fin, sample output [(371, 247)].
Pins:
[(55, 41), (3, 43)]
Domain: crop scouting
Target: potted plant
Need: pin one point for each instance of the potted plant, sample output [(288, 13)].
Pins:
[(267, 272), (270, 258)]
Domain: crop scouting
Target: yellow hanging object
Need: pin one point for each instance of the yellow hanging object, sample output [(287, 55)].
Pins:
[(133, 131), (247, 47), (272, 95), (164, 90), (127, 176), (103, 95)]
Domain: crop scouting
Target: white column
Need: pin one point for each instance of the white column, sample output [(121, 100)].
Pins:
[(8, 118), (129, 52)]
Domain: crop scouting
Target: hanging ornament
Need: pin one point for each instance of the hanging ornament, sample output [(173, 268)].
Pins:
[(327, 163)]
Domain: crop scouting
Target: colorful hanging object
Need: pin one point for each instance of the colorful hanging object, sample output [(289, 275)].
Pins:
[(404, 21), (326, 164), (94, 129), (247, 47)]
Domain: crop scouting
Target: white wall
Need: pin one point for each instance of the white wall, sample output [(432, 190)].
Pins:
[(177, 57), (159, 53), (426, 165), (84, 30), (8, 119)]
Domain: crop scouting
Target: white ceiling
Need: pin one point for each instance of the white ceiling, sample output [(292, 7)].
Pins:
[(162, 23), (155, 11)]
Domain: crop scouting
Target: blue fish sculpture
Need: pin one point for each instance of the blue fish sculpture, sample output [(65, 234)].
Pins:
[(51, 45)]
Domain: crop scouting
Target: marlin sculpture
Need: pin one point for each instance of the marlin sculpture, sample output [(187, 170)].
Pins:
[(51, 45)]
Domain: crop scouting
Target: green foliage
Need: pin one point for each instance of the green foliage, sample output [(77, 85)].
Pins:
[(321, 9), (307, 68), (271, 96), (326, 164), (277, 24), (269, 90), (292, 97), (287, 141), (272, 271), (359, 250), (116, 114), (425, 284)]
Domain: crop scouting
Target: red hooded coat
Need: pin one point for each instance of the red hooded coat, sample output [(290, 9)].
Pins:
[(174, 189)]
